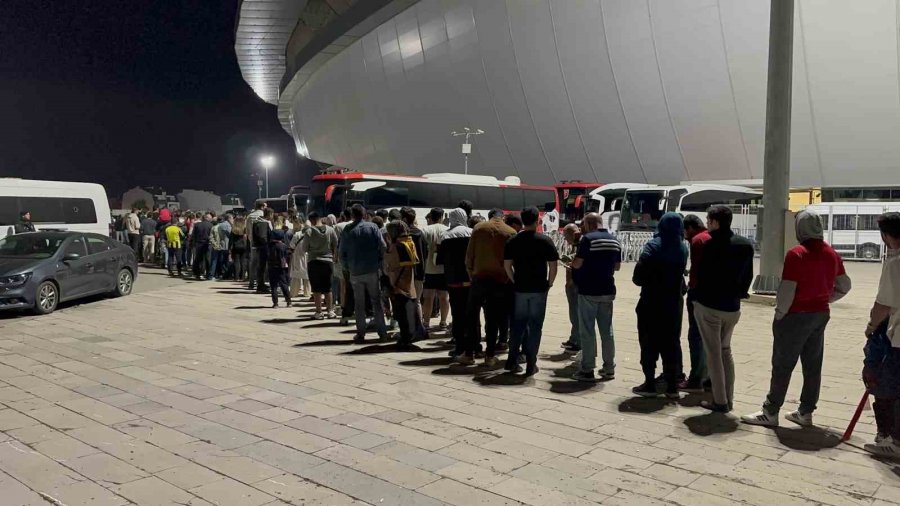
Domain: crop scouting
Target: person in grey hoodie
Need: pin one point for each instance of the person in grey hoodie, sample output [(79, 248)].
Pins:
[(813, 277), (451, 254), (321, 246)]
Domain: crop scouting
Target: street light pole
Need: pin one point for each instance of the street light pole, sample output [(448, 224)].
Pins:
[(267, 162), (466, 147)]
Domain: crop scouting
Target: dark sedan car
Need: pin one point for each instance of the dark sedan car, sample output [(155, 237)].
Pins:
[(38, 270)]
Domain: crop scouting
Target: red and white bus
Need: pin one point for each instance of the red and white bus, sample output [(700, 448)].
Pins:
[(573, 200), (332, 192)]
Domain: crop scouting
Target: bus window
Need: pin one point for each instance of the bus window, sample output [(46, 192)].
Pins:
[(386, 196), (824, 219), (673, 200), (640, 209), (487, 197), (867, 222), (844, 222), (544, 200), (512, 199)]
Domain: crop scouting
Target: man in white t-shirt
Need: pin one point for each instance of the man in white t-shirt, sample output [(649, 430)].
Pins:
[(435, 283), (887, 309)]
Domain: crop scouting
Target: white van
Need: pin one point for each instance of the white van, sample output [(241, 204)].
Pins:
[(80, 207)]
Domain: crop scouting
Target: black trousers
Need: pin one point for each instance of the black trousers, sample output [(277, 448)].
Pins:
[(409, 320), (659, 334), (459, 299), (887, 416), (134, 240), (279, 280), (494, 298), (175, 259), (241, 264), (263, 255), (201, 265)]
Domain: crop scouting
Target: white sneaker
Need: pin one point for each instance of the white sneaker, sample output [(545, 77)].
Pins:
[(799, 418), (330, 315), (318, 316), (886, 448), (761, 418)]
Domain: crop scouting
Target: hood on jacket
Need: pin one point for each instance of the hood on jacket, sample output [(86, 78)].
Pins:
[(254, 215), (457, 217), (670, 228), (808, 226)]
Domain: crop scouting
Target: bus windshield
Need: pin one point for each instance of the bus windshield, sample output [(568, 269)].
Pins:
[(324, 201), (641, 210)]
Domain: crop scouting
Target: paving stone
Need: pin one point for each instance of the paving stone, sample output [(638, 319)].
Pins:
[(296, 490), (189, 476), (105, 469), (454, 492), (152, 491), (63, 448), (365, 487), (228, 491), (285, 458), (379, 466)]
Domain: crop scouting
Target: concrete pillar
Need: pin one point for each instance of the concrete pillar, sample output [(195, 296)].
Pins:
[(776, 179)]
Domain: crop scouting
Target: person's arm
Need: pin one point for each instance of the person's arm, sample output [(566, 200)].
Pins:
[(641, 269), (877, 315), (470, 256), (584, 246), (784, 298), (842, 284), (553, 268), (747, 274), (510, 272)]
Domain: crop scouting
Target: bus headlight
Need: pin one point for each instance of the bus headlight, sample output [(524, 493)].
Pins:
[(14, 281)]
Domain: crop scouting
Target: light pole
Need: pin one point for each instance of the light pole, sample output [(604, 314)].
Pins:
[(267, 162), (466, 147)]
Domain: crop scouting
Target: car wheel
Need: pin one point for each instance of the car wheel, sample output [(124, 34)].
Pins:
[(870, 252), (124, 283), (46, 298)]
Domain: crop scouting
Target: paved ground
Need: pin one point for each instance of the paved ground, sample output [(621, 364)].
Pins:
[(198, 393)]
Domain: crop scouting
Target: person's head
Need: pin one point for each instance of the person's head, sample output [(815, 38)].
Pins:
[(889, 225), (475, 220), (383, 214), (436, 215), (808, 225), (260, 206), (207, 217), (173, 220), (240, 226), (693, 225), (396, 229), (530, 217), (378, 221), (314, 218), (134, 210), (457, 217), (591, 222), (571, 233), (357, 212), (466, 206), (718, 217), (408, 215), (268, 213), (670, 229), (495, 214), (347, 215), (513, 222), (26, 215), (229, 218)]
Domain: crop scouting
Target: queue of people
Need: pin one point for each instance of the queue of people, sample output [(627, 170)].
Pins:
[(387, 274)]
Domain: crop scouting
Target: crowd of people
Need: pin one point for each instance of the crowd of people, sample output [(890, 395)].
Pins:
[(387, 273)]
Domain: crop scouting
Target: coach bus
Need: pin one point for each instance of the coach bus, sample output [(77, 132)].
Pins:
[(330, 193), (852, 227), (607, 201), (573, 200)]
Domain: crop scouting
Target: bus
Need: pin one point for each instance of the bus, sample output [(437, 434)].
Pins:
[(607, 202), (58, 205), (852, 227), (573, 199), (330, 193), (643, 207)]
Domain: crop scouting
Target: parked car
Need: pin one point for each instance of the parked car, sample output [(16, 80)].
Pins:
[(38, 270)]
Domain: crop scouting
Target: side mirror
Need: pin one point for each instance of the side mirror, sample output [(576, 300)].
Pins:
[(71, 256)]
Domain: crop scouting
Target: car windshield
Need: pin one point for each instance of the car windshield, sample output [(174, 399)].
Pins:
[(30, 245)]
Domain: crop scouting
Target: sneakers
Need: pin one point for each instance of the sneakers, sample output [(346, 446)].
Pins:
[(345, 322), (443, 327), (531, 370), (275, 305), (585, 376), (577, 358), (392, 325), (513, 368), (464, 359), (490, 361), (645, 390), (501, 347), (720, 408), (318, 316), (607, 375), (881, 436), (763, 418), (884, 448), (359, 338), (691, 386), (799, 418)]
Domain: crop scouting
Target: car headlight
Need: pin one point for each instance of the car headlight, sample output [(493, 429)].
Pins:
[(14, 281)]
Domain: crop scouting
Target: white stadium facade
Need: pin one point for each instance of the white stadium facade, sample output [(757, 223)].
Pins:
[(645, 91)]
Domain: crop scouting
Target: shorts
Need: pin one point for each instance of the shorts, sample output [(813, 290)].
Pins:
[(435, 282), (320, 274)]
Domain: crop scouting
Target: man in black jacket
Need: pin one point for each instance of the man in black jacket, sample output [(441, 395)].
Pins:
[(724, 274), (24, 224), (451, 253)]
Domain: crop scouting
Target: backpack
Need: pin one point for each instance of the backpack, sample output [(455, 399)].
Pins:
[(406, 251), (260, 233)]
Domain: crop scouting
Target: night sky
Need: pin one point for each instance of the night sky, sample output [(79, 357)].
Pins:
[(134, 92)]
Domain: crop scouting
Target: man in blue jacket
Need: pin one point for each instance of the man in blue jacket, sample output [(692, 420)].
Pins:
[(362, 252)]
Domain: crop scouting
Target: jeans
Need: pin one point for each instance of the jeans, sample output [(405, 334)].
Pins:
[(348, 306), (175, 258), (528, 314), (695, 345), (164, 249), (574, 314), (659, 334), (459, 298), (278, 279), (797, 336), (596, 310), (367, 287), (214, 264), (493, 298), (716, 328)]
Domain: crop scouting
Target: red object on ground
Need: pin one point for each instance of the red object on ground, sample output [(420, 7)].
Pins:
[(862, 404)]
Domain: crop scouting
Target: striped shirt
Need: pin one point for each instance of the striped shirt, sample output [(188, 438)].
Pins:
[(600, 252)]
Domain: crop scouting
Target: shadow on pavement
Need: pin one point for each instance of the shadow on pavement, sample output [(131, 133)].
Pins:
[(428, 362), (570, 387), (807, 438), (503, 379), (382, 348), (236, 292), (711, 423), (323, 324), (564, 372), (463, 370), (643, 405), (254, 307), (328, 342)]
